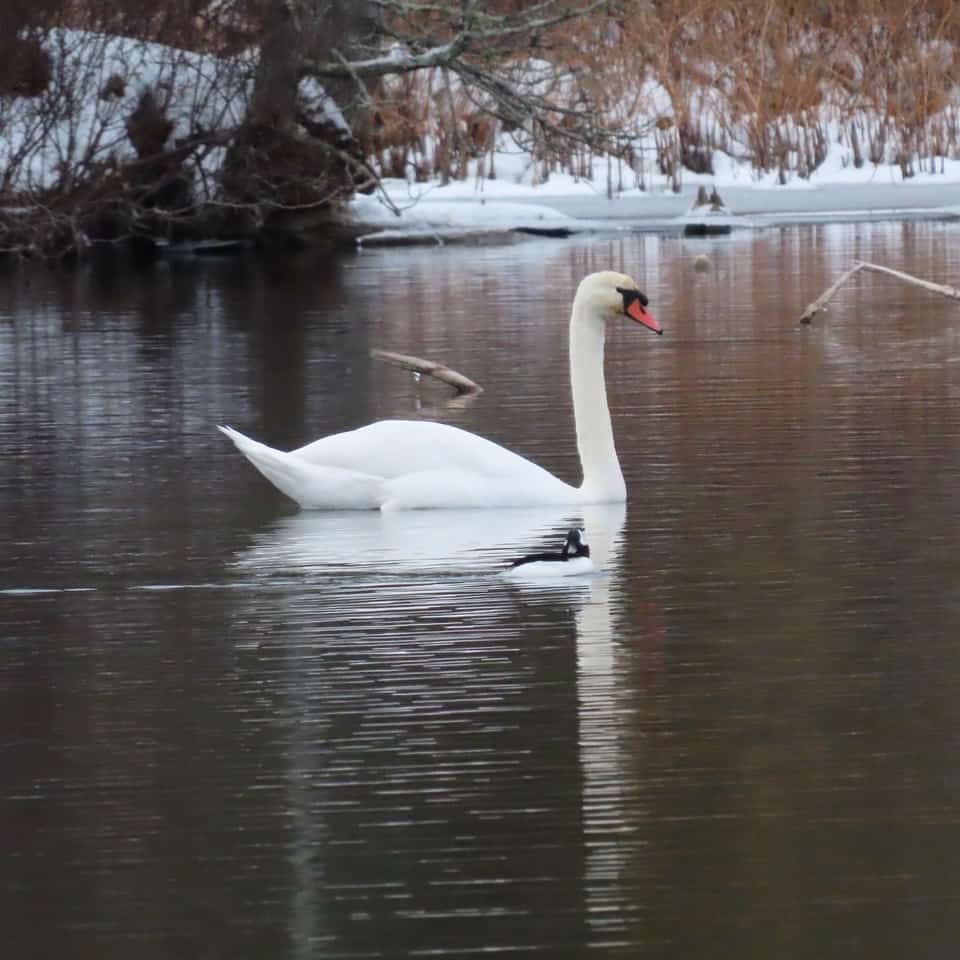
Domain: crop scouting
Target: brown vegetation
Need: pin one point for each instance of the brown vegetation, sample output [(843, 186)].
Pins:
[(761, 80), (654, 86)]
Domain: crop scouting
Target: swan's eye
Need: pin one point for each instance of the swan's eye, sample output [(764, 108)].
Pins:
[(630, 295)]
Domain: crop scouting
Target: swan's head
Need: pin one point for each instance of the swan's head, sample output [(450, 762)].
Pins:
[(613, 295)]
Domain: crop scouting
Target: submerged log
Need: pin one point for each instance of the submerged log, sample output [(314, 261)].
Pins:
[(464, 386)]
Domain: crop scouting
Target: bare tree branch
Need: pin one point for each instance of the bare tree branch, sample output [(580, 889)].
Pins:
[(945, 291), (441, 56), (820, 303)]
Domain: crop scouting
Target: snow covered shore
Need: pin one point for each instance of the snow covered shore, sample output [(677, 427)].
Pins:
[(565, 204), (48, 144)]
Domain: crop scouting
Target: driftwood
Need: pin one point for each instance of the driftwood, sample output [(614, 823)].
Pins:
[(464, 386), (821, 301), (940, 288)]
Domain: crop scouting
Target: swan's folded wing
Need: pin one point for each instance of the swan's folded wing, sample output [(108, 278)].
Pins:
[(451, 489), (397, 448), (311, 485)]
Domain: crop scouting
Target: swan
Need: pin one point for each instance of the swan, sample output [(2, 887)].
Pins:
[(415, 464), (572, 560)]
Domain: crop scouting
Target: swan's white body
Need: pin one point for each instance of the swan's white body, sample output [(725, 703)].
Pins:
[(410, 464)]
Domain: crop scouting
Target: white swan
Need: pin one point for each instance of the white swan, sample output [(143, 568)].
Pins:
[(412, 464)]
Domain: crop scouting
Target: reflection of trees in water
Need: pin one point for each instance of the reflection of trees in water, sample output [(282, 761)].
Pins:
[(128, 808), (794, 762)]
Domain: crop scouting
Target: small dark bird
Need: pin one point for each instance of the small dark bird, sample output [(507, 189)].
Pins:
[(571, 560)]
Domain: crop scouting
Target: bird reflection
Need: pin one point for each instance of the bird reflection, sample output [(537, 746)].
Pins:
[(404, 542), (384, 584)]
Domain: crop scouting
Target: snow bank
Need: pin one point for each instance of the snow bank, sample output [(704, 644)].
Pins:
[(79, 122), (52, 139), (836, 189)]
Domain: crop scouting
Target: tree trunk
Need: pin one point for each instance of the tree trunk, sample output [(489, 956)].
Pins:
[(274, 102), (281, 160), (352, 28)]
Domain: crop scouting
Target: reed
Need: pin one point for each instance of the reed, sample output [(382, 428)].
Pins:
[(633, 92), (771, 84)]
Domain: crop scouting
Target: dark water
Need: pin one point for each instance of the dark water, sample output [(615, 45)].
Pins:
[(233, 730)]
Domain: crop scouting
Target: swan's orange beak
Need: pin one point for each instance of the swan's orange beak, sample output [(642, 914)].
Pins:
[(636, 312)]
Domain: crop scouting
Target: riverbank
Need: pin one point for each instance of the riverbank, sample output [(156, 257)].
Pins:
[(609, 121), (479, 208)]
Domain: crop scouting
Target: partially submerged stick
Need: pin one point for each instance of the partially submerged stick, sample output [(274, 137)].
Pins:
[(464, 386), (821, 302), (940, 288)]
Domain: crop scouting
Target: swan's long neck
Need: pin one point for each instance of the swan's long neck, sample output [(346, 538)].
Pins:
[(602, 479)]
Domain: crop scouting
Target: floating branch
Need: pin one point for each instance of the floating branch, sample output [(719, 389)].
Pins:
[(821, 302), (464, 386), (940, 288)]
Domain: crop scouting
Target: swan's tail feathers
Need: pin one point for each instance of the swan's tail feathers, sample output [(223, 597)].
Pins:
[(313, 486)]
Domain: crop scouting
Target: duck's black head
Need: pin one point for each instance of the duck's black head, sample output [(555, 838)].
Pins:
[(575, 547)]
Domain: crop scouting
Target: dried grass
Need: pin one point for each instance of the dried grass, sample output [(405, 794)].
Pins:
[(654, 86), (764, 81)]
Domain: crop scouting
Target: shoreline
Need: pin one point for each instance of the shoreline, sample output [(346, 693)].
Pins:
[(442, 215), (497, 212)]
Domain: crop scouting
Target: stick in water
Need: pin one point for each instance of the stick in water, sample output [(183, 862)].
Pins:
[(940, 288), (821, 302), (464, 386)]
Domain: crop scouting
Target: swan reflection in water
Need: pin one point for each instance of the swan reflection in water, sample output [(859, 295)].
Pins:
[(369, 592), (461, 542)]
